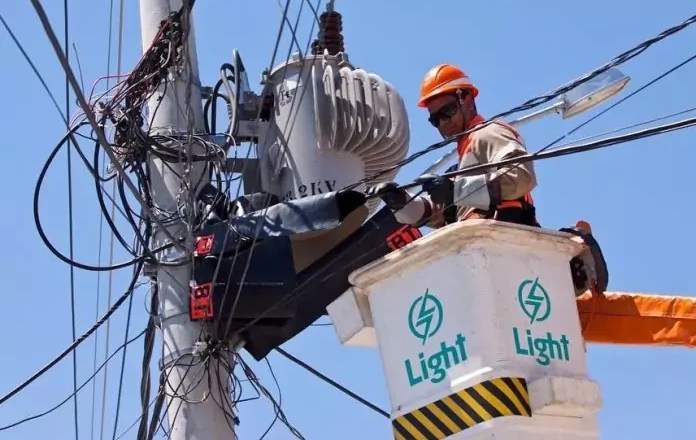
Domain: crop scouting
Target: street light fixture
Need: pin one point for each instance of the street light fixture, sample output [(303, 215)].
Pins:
[(577, 100)]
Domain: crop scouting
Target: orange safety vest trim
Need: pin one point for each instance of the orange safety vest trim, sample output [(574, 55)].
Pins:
[(464, 146)]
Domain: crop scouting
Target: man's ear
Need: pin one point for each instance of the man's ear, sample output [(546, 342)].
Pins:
[(467, 103)]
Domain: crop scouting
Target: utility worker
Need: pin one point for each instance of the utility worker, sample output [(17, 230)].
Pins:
[(502, 194)]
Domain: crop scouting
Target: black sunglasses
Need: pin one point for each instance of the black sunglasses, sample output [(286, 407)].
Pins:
[(446, 112)]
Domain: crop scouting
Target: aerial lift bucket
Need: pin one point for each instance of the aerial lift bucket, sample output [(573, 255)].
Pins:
[(479, 333)]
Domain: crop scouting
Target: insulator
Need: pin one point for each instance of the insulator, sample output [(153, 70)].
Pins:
[(330, 33), (330, 37)]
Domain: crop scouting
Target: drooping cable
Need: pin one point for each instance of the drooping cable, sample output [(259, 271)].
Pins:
[(78, 341), (280, 399), (37, 219), (84, 384), (279, 413), (332, 382), (50, 33)]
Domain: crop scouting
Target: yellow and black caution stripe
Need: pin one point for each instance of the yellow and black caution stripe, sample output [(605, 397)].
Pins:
[(500, 397)]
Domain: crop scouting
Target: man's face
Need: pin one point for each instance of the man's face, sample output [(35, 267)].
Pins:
[(447, 114)]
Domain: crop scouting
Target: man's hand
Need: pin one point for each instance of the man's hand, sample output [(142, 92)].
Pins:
[(440, 189), (394, 197)]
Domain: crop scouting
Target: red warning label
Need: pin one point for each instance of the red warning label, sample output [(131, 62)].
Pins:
[(201, 305), (403, 236)]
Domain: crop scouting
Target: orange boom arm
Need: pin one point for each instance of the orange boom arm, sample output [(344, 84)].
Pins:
[(641, 319)]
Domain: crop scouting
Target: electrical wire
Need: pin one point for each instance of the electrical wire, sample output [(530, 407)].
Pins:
[(84, 384), (71, 235), (92, 120), (139, 419), (145, 205), (560, 151), (266, 204), (147, 356), (175, 156), (236, 253), (588, 147), (534, 102), (637, 124), (33, 68), (98, 132), (114, 232), (624, 99), (78, 341), (39, 227), (280, 414), (292, 28), (645, 86), (332, 382), (99, 256), (123, 360), (600, 72), (567, 150), (280, 399)]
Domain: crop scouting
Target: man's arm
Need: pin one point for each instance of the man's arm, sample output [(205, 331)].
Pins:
[(496, 143), (484, 191), (491, 144)]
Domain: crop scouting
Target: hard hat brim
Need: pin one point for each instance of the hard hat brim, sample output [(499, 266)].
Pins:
[(422, 102)]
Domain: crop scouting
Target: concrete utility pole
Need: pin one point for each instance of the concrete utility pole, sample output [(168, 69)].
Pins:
[(199, 407)]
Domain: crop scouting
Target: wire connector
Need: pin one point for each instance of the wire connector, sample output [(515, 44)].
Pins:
[(200, 348)]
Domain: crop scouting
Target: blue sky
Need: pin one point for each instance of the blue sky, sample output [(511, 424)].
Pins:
[(637, 196)]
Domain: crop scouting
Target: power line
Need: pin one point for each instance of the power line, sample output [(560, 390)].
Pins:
[(643, 87), (89, 379), (330, 381), (78, 341), (112, 236), (625, 98), (287, 21), (45, 22), (637, 124), (268, 130), (99, 252), (534, 102), (477, 169), (71, 235), (123, 362), (33, 68), (567, 150)]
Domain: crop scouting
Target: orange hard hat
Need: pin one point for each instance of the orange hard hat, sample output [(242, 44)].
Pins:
[(444, 78)]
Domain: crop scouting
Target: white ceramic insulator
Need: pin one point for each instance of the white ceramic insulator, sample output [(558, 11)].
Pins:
[(332, 126)]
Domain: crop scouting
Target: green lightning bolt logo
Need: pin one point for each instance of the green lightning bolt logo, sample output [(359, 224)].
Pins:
[(425, 316), (534, 300)]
